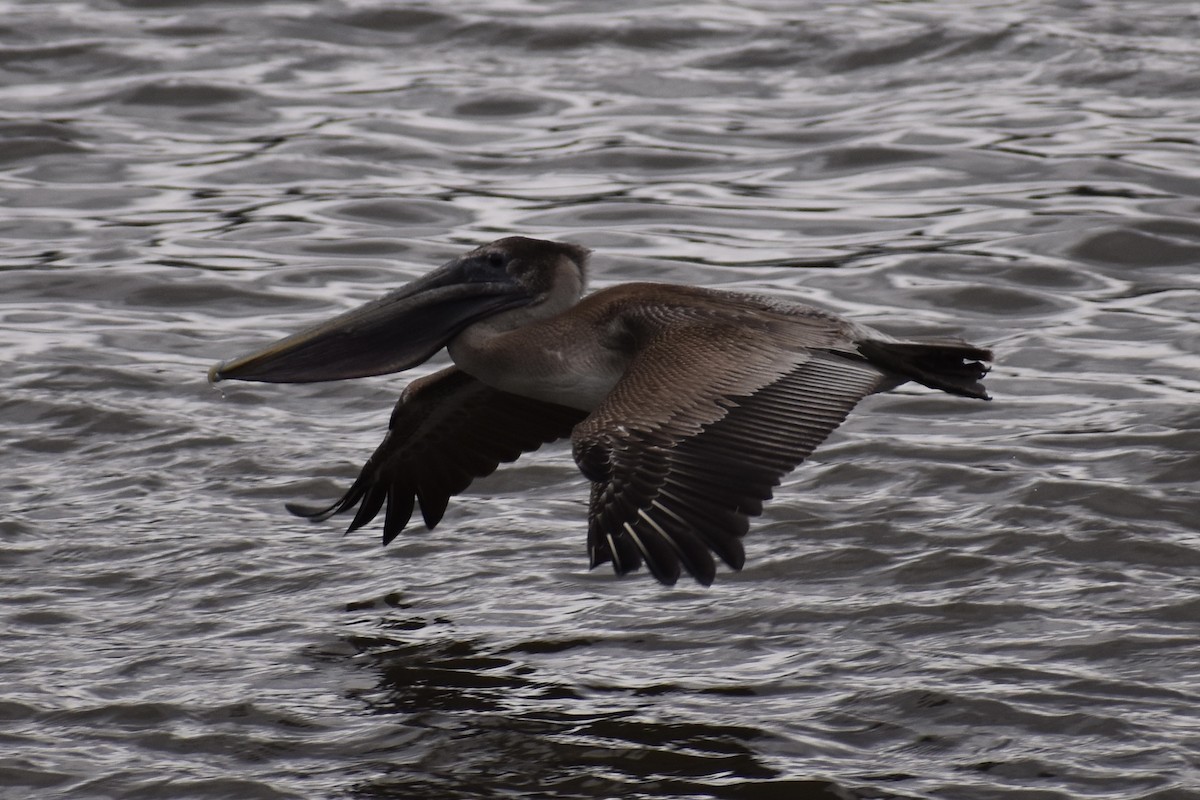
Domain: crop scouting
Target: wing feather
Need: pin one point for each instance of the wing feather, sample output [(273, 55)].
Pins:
[(446, 430), (704, 424)]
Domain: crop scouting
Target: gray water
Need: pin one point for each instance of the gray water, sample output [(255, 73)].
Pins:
[(952, 599)]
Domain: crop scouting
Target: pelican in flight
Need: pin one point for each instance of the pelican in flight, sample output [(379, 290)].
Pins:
[(685, 406)]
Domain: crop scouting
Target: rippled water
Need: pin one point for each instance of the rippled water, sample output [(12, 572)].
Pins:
[(951, 600)]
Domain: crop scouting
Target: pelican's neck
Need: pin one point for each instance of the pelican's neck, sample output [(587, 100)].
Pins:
[(538, 350)]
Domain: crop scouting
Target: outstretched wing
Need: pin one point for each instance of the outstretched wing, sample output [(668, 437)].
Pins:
[(446, 430), (707, 419)]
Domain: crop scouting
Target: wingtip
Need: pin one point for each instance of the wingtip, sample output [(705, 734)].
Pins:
[(597, 556), (313, 513), (667, 579), (433, 507)]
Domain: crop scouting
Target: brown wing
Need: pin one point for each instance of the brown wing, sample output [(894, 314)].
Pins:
[(446, 430), (705, 421)]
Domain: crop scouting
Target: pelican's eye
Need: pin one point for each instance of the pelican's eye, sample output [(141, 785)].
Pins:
[(497, 260)]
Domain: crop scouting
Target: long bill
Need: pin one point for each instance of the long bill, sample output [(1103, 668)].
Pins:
[(395, 332)]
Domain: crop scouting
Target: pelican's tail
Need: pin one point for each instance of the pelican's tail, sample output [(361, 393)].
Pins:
[(951, 365)]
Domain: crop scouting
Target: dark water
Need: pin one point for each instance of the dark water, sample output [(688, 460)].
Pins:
[(951, 600)]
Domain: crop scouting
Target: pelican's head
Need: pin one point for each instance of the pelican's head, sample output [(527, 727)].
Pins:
[(407, 326)]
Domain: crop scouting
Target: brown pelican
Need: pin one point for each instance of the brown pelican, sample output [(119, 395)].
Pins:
[(685, 406)]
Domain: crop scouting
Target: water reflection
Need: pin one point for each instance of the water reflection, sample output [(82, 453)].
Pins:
[(468, 723)]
